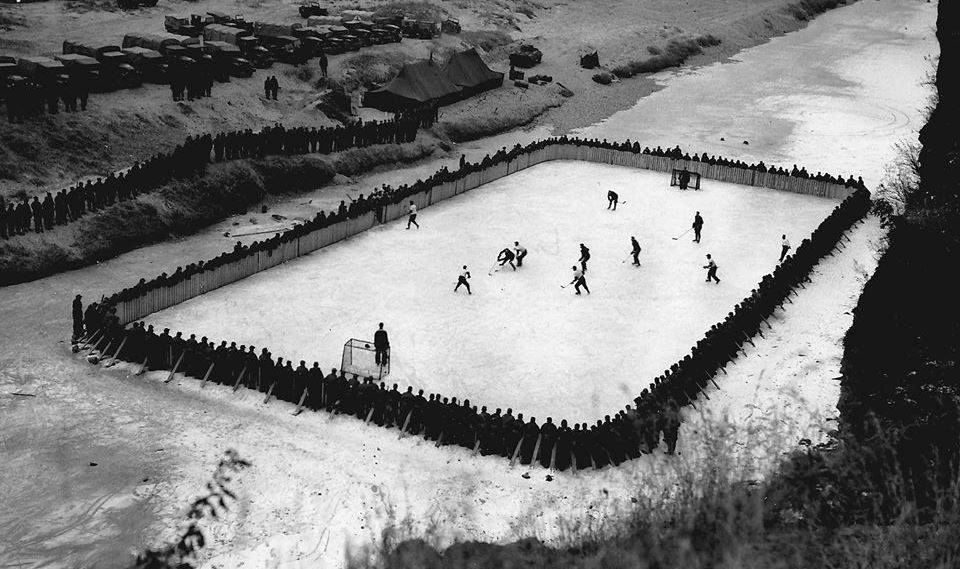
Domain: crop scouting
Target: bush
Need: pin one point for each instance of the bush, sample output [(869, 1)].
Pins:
[(675, 54), (708, 40), (486, 40), (471, 126), (603, 78)]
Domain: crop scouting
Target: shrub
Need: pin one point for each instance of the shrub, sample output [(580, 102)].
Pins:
[(675, 54), (708, 40), (603, 78), (486, 40)]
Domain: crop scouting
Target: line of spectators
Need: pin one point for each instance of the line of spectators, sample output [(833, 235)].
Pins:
[(627, 434), (190, 159)]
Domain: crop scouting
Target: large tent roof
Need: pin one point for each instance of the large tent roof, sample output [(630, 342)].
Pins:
[(419, 82), (468, 70)]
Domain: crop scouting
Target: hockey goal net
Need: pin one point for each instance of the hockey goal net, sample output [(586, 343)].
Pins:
[(360, 358), (692, 179)]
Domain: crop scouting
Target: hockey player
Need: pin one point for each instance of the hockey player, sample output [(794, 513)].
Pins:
[(697, 226), (711, 268), (635, 251), (462, 280), (382, 345), (784, 247), (584, 257), (521, 252), (413, 215), (612, 199), (506, 256), (684, 179), (579, 280)]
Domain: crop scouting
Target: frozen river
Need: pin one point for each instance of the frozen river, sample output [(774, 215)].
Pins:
[(835, 96)]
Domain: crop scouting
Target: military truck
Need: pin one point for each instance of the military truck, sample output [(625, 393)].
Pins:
[(184, 25), (420, 29), (249, 46), (8, 70), (312, 9), (131, 4), (115, 71), (228, 58), (286, 49), (450, 26), (82, 68), (151, 64), (43, 70), (386, 33), (156, 42)]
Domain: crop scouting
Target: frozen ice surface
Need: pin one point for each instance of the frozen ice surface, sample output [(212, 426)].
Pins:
[(520, 340)]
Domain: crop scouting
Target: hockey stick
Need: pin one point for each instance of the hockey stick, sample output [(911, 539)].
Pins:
[(536, 450), (269, 393), (143, 366), (113, 361), (206, 376), (516, 451), (682, 234), (303, 397), (175, 367), (403, 430), (236, 384)]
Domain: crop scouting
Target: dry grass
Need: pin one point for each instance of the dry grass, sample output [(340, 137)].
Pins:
[(487, 40), (674, 54), (185, 206), (416, 10), (512, 112)]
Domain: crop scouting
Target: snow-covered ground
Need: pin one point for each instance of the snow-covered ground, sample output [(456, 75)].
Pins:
[(117, 450), (520, 340)]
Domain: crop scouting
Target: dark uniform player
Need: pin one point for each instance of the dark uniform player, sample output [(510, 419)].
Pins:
[(635, 251), (584, 257), (462, 280), (579, 280), (413, 215), (612, 199), (697, 226), (506, 256), (684, 179), (382, 346), (711, 268), (521, 252)]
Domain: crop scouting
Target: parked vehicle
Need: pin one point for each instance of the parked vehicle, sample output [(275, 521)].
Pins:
[(228, 57), (450, 26), (130, 4), (386, 33), (286, 49), (81, 67), (312, 9), (8, 70), (155, 42), (44, 70), (420, 29), (116, 71), (151, 64), (182, 25)]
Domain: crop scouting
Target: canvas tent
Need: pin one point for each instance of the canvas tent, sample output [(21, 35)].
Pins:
[(417, 83), (466, 70)]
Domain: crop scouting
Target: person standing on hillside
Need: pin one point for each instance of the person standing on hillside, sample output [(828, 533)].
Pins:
[(323, 63), (697, 227), (382, 345)]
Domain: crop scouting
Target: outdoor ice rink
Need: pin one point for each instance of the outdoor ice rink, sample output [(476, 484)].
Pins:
[(520, 340)]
